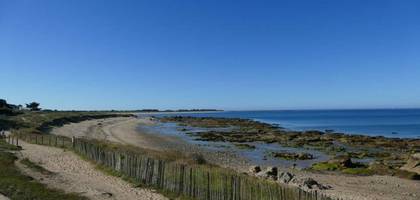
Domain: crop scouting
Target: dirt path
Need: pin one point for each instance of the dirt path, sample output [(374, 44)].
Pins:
[(72, 174)]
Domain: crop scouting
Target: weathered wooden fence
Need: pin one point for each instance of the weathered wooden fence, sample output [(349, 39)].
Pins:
[(192, 181), (10, 139)]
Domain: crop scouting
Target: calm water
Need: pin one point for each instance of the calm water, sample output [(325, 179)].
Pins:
[(404, 123)]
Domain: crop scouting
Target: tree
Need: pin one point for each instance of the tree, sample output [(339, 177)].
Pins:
[(3, 103), (34, 106)]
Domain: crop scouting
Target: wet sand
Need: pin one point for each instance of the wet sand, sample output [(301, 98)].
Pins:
[(125, 131)]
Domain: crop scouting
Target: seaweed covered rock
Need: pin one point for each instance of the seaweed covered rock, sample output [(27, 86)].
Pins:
[(342, 161), (255, 169), (413, 164), (269, 173), (285, 177), (292, 155), (311, 184)]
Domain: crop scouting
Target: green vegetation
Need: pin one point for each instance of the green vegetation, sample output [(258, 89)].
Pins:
[(358, 171), (325, 166), (355, 169), (244, 146), (35, 167), (40, 122), (34, 106), (292, 155), (362, 169)]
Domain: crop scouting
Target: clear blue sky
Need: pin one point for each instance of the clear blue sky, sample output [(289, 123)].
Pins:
[(210, 54)]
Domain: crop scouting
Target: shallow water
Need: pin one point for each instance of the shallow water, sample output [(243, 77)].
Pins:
[(403, 123), (257, 156)]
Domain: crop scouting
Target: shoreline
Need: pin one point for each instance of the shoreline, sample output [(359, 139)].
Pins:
[(389, 133), (124, 131)]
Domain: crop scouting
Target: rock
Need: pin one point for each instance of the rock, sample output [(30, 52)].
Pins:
[(343, 161), (285, 177), (254, 169), (413, 164), (107, 194), (311, 184), (305, 156), (269, 173), (292, 155), (272, 171)]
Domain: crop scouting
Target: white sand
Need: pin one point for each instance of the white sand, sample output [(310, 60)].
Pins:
[(72, 174)]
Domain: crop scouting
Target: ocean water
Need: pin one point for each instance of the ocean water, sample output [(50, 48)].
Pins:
[(397, 123)]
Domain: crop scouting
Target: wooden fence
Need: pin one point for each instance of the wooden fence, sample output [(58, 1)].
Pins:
[(191, 181)]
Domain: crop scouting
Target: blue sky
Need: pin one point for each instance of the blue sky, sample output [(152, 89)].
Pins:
[(85, 54)]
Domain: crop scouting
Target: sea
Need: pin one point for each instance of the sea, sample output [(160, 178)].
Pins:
[(394, 123)]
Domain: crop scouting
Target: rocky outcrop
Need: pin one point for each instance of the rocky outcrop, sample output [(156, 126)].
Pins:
[(311, 184), (254, 169), (285, 177), (342, 161), (413, 164), (269, 173), (272, 173), (292, 155)]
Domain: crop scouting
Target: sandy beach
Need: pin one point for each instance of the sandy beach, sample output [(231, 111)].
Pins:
[(125, 131)]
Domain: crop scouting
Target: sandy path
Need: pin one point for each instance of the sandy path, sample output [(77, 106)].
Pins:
[(124, 130), (72, 174), (2, 197)]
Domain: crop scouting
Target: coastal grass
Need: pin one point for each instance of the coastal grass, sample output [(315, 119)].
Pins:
[(39, 122), (365, 170), (18, 186), (357, 169), (35, 166), (325, 166)]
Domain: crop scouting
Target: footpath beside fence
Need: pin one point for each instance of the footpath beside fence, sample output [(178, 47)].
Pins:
[(191, 181)]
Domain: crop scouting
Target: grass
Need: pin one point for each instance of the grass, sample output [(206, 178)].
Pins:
[(357, 170), (244, 146), (325, 166), (16, 185), (35, 167), (171, 156), (42, 121)]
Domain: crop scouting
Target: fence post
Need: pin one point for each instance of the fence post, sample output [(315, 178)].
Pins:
[(73, 141)]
